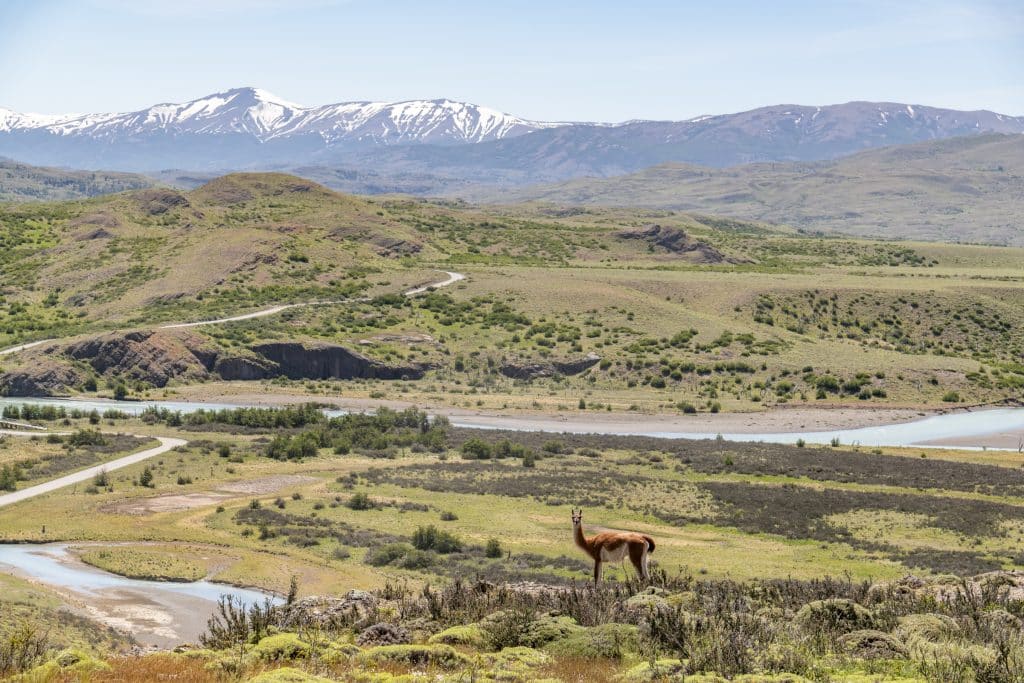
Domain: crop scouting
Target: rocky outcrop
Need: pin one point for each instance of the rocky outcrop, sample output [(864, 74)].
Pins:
[(158, 357), (244, 368), (42, 379), (549, 368), (676, 241), (297, 360), (155, 357), (391, 247), (158, 201)]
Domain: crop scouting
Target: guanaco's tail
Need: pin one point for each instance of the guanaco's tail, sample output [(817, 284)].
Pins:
[(650, 543)]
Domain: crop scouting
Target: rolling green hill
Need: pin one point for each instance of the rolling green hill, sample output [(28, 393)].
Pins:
[(603, 308), (957, 190)]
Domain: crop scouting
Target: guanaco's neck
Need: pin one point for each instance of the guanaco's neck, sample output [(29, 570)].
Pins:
[(581, 540)]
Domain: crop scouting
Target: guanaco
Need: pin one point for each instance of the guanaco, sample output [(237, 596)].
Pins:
[(612, 546)]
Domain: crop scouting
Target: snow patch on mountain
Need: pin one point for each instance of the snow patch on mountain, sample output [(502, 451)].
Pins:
[(263, 115)]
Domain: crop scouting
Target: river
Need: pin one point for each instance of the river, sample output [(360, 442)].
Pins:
[(160, 613), (965, 428)]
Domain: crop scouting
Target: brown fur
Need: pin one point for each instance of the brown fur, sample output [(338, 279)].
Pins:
[(609, 546)]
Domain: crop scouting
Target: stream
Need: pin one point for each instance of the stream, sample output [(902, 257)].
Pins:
[(156, 613)]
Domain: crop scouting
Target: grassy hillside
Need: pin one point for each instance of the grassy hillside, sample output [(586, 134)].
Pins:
[(957, 190), (24, 183), (675, 312)]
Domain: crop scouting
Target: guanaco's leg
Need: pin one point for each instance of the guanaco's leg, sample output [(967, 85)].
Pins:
[(597, 571), (638, 556)]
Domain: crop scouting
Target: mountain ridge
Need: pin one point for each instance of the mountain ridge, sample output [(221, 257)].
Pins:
[(953, 190), (259, 113), (252, 129)]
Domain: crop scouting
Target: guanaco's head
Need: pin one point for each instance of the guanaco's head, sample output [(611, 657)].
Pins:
[(577, 516)]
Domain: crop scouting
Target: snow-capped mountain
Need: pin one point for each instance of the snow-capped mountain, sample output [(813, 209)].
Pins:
[(12, 120), (248, 128), (264, 116)]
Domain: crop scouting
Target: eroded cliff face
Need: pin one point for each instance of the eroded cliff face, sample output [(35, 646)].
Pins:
[(158, 357), (155, 357), (297, 360), (527, 370)]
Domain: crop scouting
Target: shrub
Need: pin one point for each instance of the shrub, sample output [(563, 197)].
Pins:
[(663, 670), (929, 627), (440, 656), (360, 501), (22, 645), (470, 635), (506, 628), (871, 644), (288, 674), (547, 629), (476, 449), (834, 616), (417, 559), (515, 659), (430, 538), (493, 548), (384, 634), (281, 647), (951, 397), (607, 641), (386, 554)]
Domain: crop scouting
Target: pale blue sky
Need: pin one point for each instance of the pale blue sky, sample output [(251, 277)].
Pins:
[(595, 60)]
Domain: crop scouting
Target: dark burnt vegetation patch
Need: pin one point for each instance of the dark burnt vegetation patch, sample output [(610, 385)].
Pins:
[(821, 464), (567, 481), (800, 512)]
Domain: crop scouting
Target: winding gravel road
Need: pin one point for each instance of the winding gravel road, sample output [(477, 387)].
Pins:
[(166, 444), (451, 279)]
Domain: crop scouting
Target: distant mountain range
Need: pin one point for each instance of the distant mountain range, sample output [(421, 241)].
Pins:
[(968, 189), (444, 143)]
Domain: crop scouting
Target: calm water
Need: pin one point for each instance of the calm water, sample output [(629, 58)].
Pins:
[(54, 565), (952, 425)]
